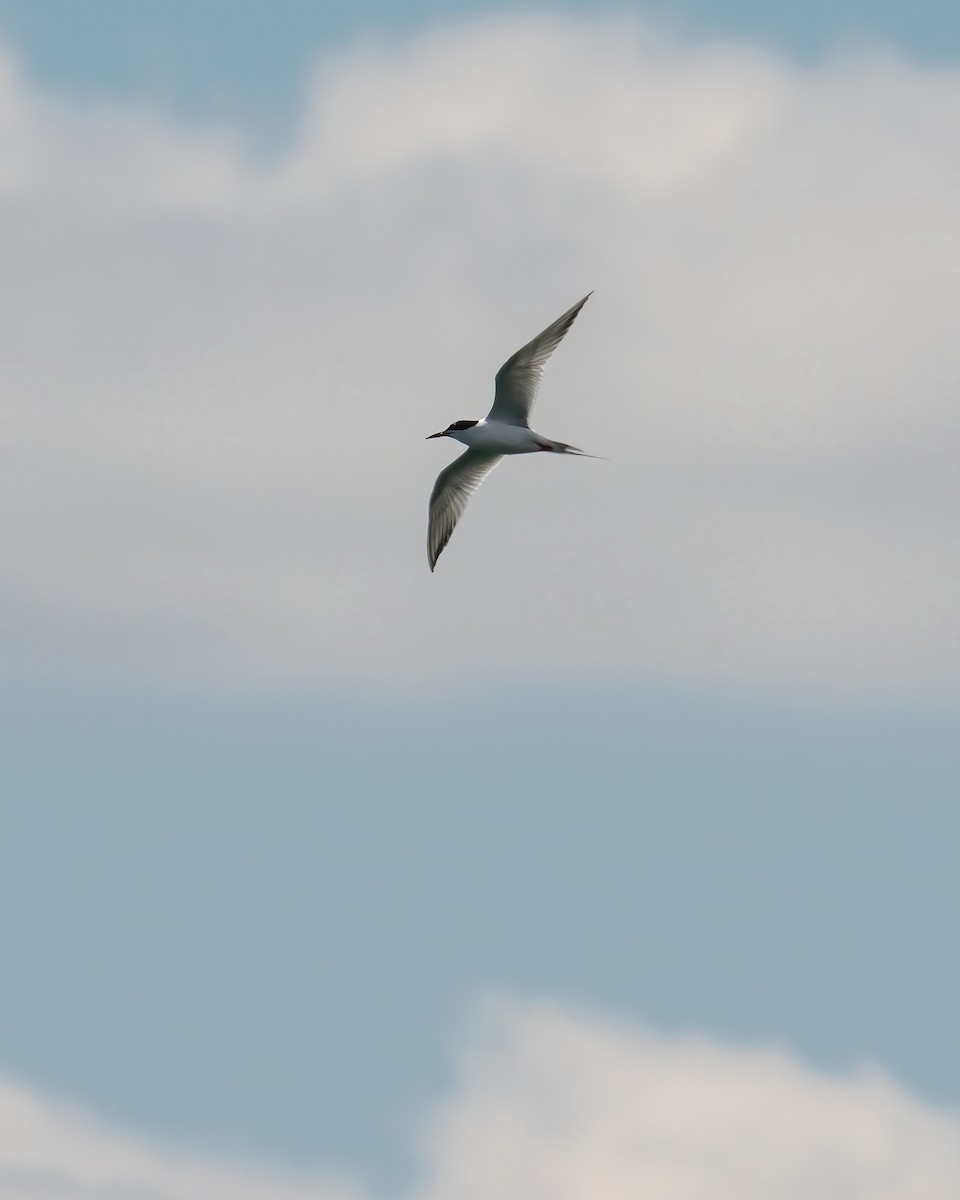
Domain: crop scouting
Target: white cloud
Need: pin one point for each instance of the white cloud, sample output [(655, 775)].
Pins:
[(218, 370), (554, 1105), (50, 1151), (559, 1106)]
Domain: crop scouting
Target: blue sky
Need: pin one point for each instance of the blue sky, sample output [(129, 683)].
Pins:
[(266, 920), (668, 741), (213, 55)]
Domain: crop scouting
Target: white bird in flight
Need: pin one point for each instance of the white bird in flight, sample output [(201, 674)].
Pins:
[(504, 430)]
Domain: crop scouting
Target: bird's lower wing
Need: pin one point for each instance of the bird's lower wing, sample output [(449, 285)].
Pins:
[(454, 487), (518, 380)]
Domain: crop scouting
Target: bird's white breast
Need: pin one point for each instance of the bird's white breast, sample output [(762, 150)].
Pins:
[(496, 437)]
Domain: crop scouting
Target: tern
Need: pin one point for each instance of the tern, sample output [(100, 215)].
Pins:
[(504, 430)]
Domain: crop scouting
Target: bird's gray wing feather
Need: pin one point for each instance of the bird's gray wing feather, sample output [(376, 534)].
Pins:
[(454, 487), (518, 380)]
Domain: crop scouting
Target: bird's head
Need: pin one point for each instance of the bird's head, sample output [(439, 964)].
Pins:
[(450, 430)]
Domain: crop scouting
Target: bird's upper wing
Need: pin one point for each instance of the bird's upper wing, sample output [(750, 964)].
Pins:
[(454, 487), (519, 378)]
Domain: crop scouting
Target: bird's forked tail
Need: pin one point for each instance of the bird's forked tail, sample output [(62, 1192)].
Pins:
[(563, 448)]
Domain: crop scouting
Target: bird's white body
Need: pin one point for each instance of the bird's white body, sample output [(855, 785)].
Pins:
[(504, 430), (497, 437)]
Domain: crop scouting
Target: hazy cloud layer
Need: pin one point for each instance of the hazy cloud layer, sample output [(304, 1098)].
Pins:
[(219, 369), (561, 1106)]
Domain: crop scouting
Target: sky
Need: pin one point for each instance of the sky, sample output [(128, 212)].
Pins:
[(619, 854), (216, 56)]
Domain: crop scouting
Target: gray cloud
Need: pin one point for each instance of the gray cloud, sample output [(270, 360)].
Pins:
[(219, 370)]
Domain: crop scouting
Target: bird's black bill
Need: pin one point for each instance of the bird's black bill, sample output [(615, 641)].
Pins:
[(433, 435)]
